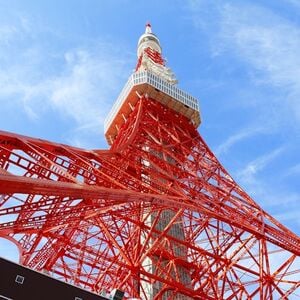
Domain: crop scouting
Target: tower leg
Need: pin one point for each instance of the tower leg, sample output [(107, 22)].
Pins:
[(167, 256)]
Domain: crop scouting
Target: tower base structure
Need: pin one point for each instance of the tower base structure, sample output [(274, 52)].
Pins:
[(84, 216)]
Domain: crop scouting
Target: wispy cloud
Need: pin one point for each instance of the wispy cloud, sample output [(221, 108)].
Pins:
[(269, 43), (288, 216), (296, 3), (280, 200), (7, 33), (82, 90), (247, 175), (238, 137), (10, 32), (81, 87), (268, 196), (294, 170)]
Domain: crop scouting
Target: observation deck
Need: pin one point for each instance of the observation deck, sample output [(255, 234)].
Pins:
[(146, 83)]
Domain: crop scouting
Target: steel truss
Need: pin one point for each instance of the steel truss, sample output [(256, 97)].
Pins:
[(83, 215)]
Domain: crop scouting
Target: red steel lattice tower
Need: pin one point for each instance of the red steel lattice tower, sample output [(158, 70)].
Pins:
[(156, 215)]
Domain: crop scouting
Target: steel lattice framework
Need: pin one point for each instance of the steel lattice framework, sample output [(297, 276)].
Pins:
[(83, 215)]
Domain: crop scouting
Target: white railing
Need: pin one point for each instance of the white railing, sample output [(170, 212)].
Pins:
[(158, 83)]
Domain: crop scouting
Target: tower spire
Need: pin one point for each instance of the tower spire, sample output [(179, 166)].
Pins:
[(148, 28), (149, 53), (148, 40)]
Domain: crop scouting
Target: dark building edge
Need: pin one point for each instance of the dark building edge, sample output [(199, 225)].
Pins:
[(20, 283)]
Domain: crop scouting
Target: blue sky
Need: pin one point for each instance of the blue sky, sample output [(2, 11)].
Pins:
[(63, 63)]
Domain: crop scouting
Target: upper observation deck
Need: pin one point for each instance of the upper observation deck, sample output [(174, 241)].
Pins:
[(147, 83)]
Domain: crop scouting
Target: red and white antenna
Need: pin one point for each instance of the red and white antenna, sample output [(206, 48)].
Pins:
[(148, 28), (150, 58)]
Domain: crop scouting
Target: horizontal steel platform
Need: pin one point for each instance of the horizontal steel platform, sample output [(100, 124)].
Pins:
[(146, 83)]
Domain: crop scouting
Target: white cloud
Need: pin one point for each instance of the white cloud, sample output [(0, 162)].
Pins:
[(10, 33), (87, 81), (294, 170), (296, 3), (270, 44), (261, 38), (82, 89), (250, 179), (43, 78), (247, 175), (289, 215), (238, 137), (270, 198), (7, 33), (84, 92)]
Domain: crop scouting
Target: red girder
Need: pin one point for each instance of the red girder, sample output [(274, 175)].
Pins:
[(101, 218), (155, 56)]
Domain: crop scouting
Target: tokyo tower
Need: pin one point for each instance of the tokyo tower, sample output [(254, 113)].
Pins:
[(156, 216)]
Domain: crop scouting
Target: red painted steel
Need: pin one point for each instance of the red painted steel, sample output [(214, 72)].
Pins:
[(82, 215), (153, 55)]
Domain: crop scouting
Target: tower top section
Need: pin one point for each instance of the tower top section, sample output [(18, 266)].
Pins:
[(148, 40), (150, 58), (153, 79)]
